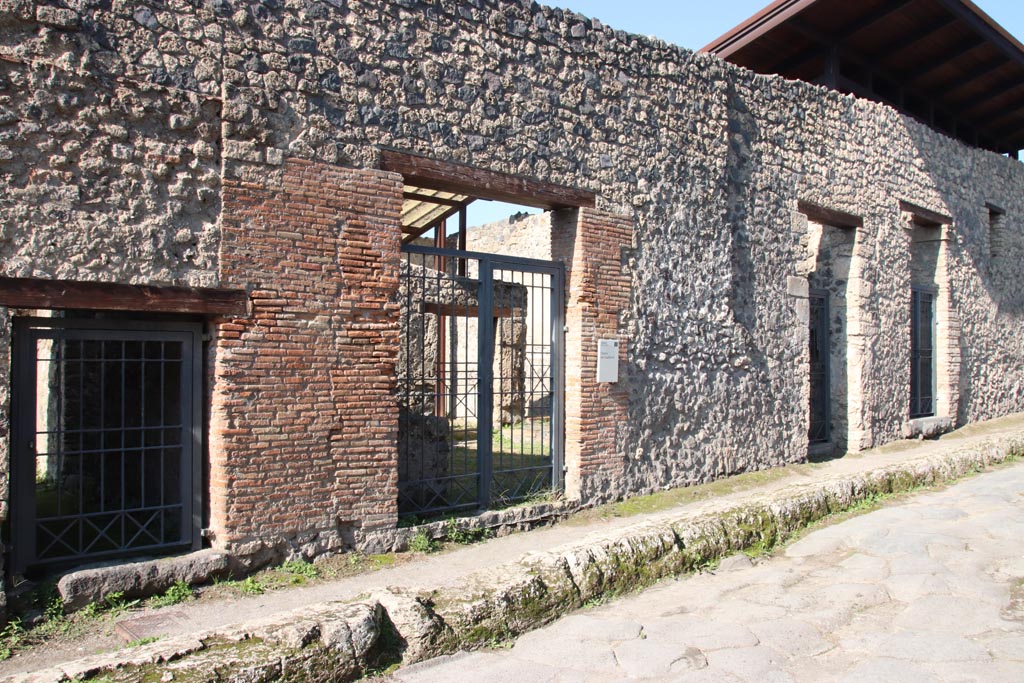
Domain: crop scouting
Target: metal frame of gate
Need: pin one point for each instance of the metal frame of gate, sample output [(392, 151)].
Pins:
[(820, 350), (96, 513), (445, 395), (922, 351)]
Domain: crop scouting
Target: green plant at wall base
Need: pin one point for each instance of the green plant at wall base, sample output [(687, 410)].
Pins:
[(177, 593), (143, 641), (422, 543), (301, 568), (11, 637), (54, 608), (251, 586), (456, 534), (116, 603)]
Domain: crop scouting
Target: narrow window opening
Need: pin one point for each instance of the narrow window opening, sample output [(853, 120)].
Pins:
[(922, 352)]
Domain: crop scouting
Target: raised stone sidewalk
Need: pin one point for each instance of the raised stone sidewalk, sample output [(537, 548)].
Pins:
[(496, 590)]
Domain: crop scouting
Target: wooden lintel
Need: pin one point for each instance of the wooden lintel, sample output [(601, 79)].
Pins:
[(459, 311), (826, 216), (482, 183), (925, 217), (16, 292)]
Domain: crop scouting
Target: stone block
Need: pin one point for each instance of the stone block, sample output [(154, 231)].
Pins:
[(927, 427), (58, 17), (140, 579)]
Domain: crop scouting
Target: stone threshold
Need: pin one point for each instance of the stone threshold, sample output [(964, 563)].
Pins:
[(345, 640)]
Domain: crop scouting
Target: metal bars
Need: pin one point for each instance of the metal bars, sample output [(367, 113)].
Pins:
[(480, 380), (922, 352), (819, 429), (106, 445)]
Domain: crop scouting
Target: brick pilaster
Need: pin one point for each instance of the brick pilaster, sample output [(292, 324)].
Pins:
[(590, 243), (303, 424)]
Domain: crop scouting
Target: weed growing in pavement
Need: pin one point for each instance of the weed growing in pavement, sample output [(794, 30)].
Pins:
[(12, 635), (250, 585), (177, 593), (143, 641), (48, 620), (301, 568)]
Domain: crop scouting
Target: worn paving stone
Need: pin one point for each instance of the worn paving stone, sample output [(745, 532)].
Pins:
[(948, 613), (978, 672), (770, 598), (1006, 647), (584, 655), (493, 667), (925, 599), (590, 627), (761, 663), (879, 669), (864, 568), (920, 646), (857, 595), (909, 587), (792, 637), (707, 636), (648, 658), (814, 546), (704, 676)]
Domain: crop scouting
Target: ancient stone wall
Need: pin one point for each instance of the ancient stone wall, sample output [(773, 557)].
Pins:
[(120, 123)]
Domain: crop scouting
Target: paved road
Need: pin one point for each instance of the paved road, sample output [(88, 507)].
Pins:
[(929, 590)]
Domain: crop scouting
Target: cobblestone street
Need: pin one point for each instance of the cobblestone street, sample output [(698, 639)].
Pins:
[(930, 589)]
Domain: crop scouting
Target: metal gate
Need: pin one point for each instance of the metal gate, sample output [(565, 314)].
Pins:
[(480, 380), (922, 351), (106, 460), (819, 430)]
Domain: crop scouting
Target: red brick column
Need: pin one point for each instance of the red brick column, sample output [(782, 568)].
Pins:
[(590, 243), (304, 420)]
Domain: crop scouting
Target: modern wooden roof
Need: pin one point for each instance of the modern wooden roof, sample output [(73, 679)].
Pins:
[(944, 62)]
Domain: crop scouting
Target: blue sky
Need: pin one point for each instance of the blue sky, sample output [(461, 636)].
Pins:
[(694, 24)]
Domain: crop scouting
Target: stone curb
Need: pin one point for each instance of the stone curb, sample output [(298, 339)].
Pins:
[(344, 640)]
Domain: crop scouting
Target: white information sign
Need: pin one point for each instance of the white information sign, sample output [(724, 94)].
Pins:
[(607, 360)]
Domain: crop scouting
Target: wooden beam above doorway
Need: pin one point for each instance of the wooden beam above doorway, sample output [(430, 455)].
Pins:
[(482, 183), (827, 216), (35, 293)]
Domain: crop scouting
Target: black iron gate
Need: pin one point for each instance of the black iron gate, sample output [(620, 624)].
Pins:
[(922, 352), (819, 430), (106, 460), (480, 380)]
